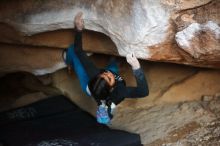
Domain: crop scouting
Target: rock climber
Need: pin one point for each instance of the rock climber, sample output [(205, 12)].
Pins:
[(106, 86)]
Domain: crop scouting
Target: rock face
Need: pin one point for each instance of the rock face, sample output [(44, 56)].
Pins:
[(36, 60), (200, 40), (185, 31)]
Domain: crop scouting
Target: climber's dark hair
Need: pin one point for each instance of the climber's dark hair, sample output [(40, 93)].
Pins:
[(99, 88)]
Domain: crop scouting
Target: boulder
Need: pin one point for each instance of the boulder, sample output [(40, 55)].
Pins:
[(185, 32)]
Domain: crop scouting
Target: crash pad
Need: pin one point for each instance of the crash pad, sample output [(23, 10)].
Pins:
[(56, 121)]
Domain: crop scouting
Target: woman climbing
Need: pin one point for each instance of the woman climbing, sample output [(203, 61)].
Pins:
[(104, 85)]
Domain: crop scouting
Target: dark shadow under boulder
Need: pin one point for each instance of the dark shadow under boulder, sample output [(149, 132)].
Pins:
[(57, 121)]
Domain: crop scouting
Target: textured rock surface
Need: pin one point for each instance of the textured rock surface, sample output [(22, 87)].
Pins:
[(31, 59), (151, 29), (200, 41)]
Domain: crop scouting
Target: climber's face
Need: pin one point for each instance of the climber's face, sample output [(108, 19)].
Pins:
[(109, 77)]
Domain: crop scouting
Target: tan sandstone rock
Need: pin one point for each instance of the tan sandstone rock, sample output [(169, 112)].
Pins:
[(150, 29)]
